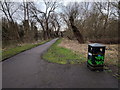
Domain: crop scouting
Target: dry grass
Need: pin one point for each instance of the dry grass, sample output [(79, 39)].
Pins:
[(75, 46), (111, 54)]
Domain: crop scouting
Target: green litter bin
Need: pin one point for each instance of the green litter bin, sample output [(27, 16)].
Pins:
[(96, 54)]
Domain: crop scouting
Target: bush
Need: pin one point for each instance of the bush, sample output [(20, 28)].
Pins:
[(106, 41)]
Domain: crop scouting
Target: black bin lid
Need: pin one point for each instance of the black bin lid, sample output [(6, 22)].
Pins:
[(96, 45)]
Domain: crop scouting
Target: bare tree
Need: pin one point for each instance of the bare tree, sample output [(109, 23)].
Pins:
[(43, 16), (55, 22), (72, 13), (6, 9), (26, 21), (106, 12)]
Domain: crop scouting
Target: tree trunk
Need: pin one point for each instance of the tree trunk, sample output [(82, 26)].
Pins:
[(75, 30), (26, 30), (77, 34)]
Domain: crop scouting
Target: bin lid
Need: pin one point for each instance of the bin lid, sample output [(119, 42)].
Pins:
[(96, 45)]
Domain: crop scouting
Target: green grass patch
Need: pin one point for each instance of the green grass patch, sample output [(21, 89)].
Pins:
[(13, 51), (60, 55)]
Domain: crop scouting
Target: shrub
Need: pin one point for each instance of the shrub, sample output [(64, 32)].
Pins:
[(106, 41)]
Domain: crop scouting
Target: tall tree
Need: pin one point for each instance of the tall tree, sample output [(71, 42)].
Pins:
[(26, 21), (43, 16), (9, 12), (72, 13)]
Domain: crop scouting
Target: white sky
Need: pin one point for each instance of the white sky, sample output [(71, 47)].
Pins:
[(41, 5), (65, 1)]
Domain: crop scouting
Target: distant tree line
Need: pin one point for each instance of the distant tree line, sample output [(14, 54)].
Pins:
[(30, 16), (93, 21), (26, 22)]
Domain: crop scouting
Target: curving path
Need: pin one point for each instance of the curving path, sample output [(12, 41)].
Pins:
[(28, 70)]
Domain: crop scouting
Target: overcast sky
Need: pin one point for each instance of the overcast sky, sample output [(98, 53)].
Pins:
[(65, 1), (40, 4)]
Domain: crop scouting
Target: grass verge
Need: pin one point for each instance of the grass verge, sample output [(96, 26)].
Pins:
[(13, 51), (60, 55)]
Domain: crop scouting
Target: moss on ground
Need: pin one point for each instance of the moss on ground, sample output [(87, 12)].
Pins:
[(60, 55), (13, 51)]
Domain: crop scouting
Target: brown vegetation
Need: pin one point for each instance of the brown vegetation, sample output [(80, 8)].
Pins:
[(26, 31), (83, 21), (111, 53), (106, 41), (92, 22), (96, 22)]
